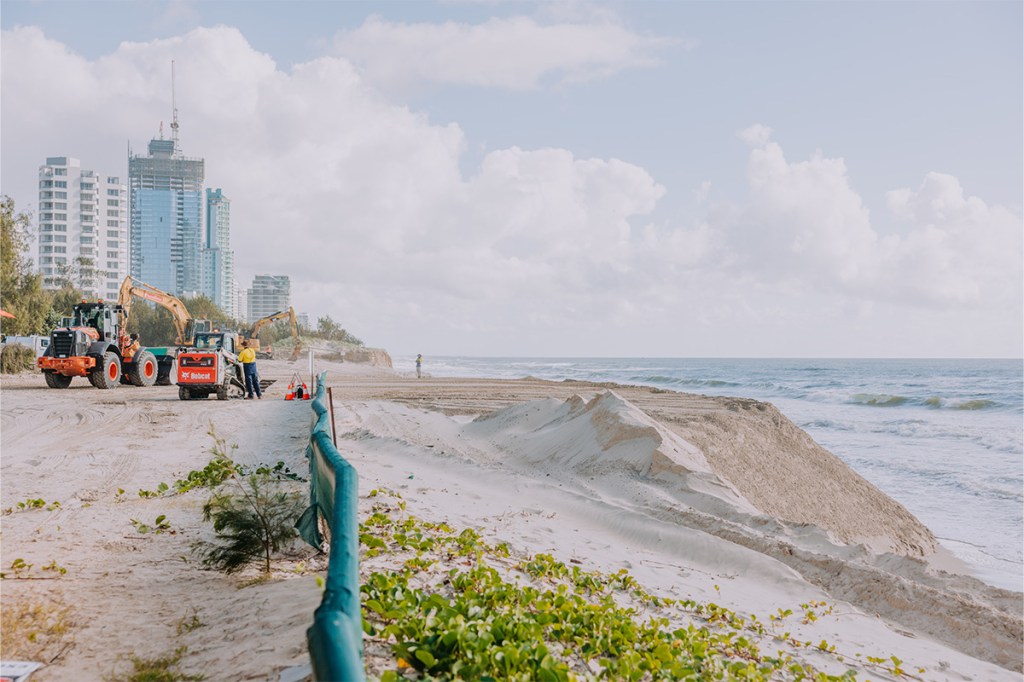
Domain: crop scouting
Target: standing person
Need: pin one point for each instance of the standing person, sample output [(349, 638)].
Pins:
[(252, 378), (419, 365)]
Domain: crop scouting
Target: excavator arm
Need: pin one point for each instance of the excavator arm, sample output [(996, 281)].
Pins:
[(132, 288), (253, 336)]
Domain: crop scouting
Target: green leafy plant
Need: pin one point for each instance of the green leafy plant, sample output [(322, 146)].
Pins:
[(20, 567), (160, 490), (458, 607), (55, 567), (33, 503), (23, 570), (279, 472), (160, 525), (253, 520)]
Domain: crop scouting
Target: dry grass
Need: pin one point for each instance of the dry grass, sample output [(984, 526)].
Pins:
[(36, 628)]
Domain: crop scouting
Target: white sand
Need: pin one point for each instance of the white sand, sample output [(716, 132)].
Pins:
[(686, 492)]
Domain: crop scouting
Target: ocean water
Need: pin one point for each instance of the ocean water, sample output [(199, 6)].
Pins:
[(945, 438)]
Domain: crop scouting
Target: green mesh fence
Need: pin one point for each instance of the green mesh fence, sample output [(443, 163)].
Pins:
[(336, 636)]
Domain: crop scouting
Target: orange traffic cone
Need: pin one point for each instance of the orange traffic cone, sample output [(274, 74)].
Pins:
[(305, 392), (290, 395)]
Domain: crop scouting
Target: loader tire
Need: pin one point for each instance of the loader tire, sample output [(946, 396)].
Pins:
[(54, 380), (144, 369), (185, 393), (107, 372)]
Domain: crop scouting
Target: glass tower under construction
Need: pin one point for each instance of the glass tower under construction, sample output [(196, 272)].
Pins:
[(166, 218)]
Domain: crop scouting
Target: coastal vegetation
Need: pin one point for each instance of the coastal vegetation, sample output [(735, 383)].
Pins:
[(252, 518), (449, 605), (16, 358), (35, 310), (162, 668), (36, 628)]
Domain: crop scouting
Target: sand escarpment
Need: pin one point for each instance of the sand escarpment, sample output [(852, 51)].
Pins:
[(749, 476), (782, 471)]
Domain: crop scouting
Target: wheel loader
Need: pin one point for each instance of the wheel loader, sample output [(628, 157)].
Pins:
[(95, 345)]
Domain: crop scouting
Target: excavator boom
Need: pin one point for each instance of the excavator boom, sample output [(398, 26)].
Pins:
[(184, 324), (253, 336)]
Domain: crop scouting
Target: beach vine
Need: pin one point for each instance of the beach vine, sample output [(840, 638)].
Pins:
[(451, 605)]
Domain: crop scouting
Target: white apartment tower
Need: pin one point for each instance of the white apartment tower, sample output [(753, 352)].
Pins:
[(83, 228), (269, 294)]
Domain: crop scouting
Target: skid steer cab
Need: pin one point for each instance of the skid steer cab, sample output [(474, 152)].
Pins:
[(210, 367), (95, 345)]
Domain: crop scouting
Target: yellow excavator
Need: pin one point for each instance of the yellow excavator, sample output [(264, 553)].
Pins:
[(185, 326), (253, 337)]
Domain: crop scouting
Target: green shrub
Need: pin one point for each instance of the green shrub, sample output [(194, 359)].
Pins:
[(252, 521), (16, 358)]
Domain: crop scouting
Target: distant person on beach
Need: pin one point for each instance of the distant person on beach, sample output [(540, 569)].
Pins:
[(419, 365), (252, 378)]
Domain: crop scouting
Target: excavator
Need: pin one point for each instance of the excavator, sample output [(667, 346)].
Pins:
[(185, 326), (253, 337)]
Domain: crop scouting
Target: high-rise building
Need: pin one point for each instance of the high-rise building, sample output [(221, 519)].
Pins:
[(83, 236), (242, 300), (218, 258), (269, 294), (166, 209)]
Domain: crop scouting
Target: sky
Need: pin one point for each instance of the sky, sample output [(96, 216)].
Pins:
[(574, 179)]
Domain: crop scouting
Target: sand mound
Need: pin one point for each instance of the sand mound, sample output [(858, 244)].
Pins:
[(606, 437)]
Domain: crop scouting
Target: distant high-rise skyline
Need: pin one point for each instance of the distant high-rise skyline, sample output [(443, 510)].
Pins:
[(166, 226), (83, 238), (218, 257)]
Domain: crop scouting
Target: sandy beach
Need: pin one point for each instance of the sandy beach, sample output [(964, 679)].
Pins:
[(711, 499)]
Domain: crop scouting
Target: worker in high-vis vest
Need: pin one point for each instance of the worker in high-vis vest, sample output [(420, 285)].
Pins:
[(252, 378)]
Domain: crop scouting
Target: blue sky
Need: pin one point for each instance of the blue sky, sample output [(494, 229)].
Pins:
[(642, 178)]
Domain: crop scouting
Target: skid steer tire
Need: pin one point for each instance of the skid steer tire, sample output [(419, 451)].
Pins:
[(107, 372), (144, 369), (185, 393), (54, 380)]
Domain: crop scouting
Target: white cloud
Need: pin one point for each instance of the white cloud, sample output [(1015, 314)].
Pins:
[(756, 135), (804, 222), (364, 204), (516, 53)]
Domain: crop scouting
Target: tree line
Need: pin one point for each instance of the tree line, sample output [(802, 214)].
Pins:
[(38, 311)]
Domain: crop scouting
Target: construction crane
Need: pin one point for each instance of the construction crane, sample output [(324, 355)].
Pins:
[(254, 340)]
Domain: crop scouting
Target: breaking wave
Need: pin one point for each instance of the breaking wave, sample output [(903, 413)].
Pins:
[(933, 402)]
